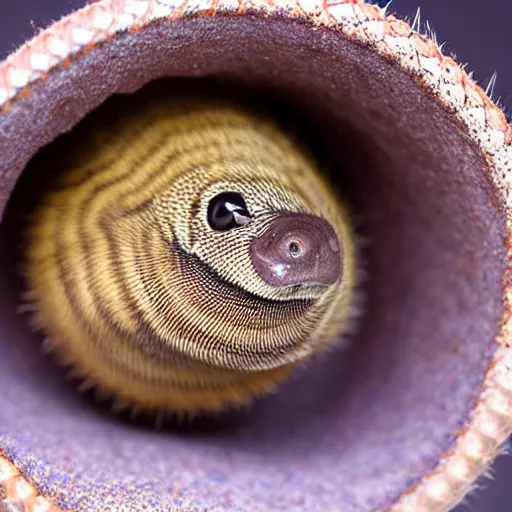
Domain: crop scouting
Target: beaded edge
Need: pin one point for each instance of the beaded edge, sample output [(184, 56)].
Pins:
[(417, 53)]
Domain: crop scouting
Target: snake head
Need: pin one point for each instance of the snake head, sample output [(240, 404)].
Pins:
[(298, 249)]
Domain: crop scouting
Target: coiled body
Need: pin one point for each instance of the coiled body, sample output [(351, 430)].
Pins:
[(188, 253)]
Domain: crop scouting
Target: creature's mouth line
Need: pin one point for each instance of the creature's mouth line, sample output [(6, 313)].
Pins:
[(252, 304)]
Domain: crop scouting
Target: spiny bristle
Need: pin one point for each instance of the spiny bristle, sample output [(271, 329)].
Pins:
[(28, 302), (46, 346), (489, 90), (489, 473), (416, 23), (28, 296), (506, 447), (27, 307), (85, 385)]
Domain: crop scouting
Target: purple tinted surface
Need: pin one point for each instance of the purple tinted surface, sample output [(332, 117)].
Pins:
[(476, 32)]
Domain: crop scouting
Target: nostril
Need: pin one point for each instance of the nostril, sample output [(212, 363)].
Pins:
[(298, 249), (295, 249)]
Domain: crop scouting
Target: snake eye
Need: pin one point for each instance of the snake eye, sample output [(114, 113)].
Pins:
[(227, 211)]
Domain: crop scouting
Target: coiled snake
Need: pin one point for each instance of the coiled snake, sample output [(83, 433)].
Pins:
[(188, 254)]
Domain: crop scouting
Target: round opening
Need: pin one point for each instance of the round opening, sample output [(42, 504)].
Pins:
[(354, 429)]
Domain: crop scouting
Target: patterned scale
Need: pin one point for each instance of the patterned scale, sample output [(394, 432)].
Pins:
[(188, 253)]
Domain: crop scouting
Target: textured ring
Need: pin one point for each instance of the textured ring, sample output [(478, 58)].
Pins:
[(68, 42)]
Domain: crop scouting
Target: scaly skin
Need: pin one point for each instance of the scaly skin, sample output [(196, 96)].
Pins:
[(132, 286)]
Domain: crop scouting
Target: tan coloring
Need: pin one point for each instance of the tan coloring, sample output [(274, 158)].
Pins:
[(135, 289)]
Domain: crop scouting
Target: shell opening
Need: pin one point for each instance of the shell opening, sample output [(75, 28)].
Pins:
[(354, 429)]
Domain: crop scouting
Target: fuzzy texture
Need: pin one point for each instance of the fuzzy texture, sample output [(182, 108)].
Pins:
[(142, 296)]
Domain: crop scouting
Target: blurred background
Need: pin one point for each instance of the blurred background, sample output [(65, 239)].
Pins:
[(475, 32)]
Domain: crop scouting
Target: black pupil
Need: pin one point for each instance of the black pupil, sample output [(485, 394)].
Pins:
[(222, 208)]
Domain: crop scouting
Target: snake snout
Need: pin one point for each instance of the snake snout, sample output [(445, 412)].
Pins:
[(298, 249)]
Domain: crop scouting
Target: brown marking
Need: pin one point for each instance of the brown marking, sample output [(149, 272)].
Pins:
[(298, 249)]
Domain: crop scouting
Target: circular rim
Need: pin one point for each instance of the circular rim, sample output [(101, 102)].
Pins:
[(490, 423)]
